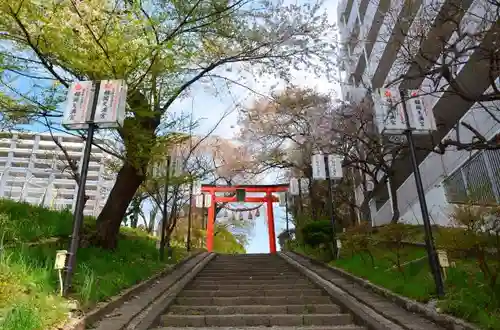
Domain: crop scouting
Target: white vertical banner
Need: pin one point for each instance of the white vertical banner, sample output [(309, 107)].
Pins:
[(282, 198), (334, 167), (294, 187), (389, 110), (304, 185), (111, 102), (196, 188), (78, 104), (421, 116), (199, 201), (179, 164), (318, 167), (175, 164), (208, 200)]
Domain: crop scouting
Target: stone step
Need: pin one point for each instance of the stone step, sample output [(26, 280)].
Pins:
[(273, 270), (244, 286), (208, 281), (255, 309), (250, 277), (252, 293), (249, 264), (246, 272), (241, 320), (246, 262), (332, 327), (239, 301)]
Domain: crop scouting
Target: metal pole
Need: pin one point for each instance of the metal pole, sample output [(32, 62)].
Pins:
[(429, 240), (301, 207), (190, 214), (165, 205), (286, 214), (80, 199), (330, 204)]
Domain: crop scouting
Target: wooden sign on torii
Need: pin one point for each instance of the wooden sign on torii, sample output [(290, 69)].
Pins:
[(269, 199)]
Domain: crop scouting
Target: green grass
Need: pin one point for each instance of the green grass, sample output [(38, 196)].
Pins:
[(384, 274), (468, 296), (28, 283)]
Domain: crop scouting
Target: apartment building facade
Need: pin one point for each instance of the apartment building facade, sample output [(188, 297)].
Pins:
[(34, 169), (377, 47)]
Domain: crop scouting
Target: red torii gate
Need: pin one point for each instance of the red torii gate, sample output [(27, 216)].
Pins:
[(269, 199)]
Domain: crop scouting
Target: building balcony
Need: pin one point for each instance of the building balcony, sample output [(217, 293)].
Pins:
[(351, 21)]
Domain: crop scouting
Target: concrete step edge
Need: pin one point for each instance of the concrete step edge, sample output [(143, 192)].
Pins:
[(252, 293), (255, 309), (233, 282), (256, 319), (312, 327)]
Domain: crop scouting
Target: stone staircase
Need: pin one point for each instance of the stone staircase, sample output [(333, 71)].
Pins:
[(254, 292)]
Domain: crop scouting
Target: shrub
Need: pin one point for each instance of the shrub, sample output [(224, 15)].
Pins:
[(317, 233), (478, 237), (359, 240), (395, 235)]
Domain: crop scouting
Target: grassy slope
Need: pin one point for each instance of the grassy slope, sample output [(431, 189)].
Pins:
[(28, 282), (467, 294)]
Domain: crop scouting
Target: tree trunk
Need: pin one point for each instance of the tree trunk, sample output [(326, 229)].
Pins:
[(139, 137), (394, 201), (108, 223), (365, 209)]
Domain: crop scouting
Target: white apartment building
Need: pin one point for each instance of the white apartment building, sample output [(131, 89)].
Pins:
[(374, 37), (34, 169)]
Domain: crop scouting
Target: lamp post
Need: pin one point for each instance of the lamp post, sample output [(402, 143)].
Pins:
[(80, 197), (429, 240), (331, 212), (286, 214), (90, 105), (165, 205), (190, 214), (328, 167)]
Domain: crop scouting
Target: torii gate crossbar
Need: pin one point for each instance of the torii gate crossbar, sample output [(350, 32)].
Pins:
[(269, 199)]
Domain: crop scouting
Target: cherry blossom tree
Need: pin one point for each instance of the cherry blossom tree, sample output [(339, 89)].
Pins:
[(162, 49)]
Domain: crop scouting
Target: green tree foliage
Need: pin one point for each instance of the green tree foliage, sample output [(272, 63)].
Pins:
[(161, 48), (317, 232)]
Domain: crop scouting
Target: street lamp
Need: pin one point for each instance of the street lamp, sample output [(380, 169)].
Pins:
[(429, 240), (90, 105), (398, 121), (328, 167)]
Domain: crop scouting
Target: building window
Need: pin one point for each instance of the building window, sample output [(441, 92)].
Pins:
[(478, 180)]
